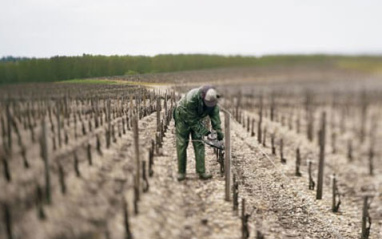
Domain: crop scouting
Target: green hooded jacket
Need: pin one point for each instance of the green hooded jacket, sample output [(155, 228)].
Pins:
[(191, 110)]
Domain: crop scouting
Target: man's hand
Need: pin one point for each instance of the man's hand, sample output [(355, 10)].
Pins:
[(220, 135)]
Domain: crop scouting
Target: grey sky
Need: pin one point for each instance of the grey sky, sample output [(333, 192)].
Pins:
[(45, 28)]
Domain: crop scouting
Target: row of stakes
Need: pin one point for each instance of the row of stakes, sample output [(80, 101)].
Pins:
[(371, 152), (156, 146), (62, 114), (56, 129), (336, 195), (220, 156), (276, 116), (110, 134), (43, 195), (335, 190)]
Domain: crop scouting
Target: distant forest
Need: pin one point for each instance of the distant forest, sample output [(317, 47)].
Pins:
[(20, 70), (25, 70)]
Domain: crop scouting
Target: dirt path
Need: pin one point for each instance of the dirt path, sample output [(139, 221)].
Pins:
[(347, 222), (283, 208), (189, 209)]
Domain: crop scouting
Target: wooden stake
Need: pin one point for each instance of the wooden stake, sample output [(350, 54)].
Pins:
[(282, 120), (334, 148), (310, 126), (371, 160), (7, 172), (146, 184), (61, 175), (265, 137), (364, 106), (298, 162), (101, 118), (136, 150), (350, 150), (76, 164), (259, 132), (320, 179), (113, 133), (272, 107), (335, 193), (98, 143), (8, 221), (311, 182), (66, 137), (343, 120), (158, 143), (9, 127), (20, 142), (39, 203), (235, 194), (83, 128), (253, 128), (3, 133), (158, 113), (58, 116), (123, 126), (119, 129), (298, 124), (90, 126), (248, 124), (136, 194), (366, 220), (227, 163), (309, 115), (151, 162), (165, 103), (96, 123), (89, 153), (283, 160), (24, 156), (44, 156), (108, 131), (238, 103), (128, 234), (259, 235), (244, 221)]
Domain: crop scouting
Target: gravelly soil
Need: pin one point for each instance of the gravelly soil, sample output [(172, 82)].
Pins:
[(283, 206), (190, 209)]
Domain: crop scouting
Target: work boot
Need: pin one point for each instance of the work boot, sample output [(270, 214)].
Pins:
[(205, 176), (181, 177)]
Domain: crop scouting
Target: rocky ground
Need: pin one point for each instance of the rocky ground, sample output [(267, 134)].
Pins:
[(281, 203)]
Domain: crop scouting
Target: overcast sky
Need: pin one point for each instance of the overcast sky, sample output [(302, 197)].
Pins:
[(44, 28)]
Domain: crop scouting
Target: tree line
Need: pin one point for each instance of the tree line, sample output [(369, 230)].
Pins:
[(58, 68), (21, 70)]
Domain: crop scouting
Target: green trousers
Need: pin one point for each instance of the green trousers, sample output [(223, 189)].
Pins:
[(183, 133)]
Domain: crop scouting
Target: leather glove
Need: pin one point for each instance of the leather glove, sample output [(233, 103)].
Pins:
[(220, 135)]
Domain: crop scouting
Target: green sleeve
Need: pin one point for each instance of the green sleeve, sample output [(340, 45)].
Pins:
[(192, 118), (215, 119)]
